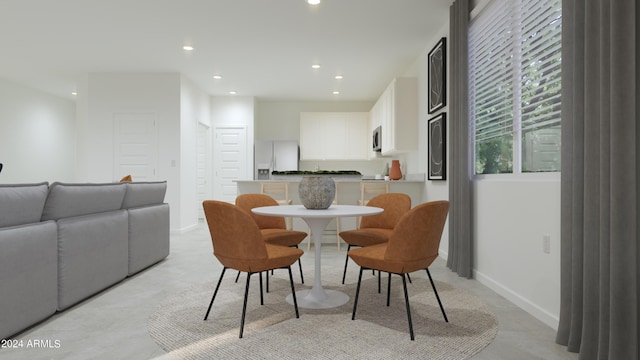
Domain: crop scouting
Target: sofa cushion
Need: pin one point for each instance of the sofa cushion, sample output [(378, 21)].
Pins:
[(22, 203), (92, 255), (144, 194), (28, 275), (68, 200)]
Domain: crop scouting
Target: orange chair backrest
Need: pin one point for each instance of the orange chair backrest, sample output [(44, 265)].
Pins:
[(126, 178), (416, 238), (250, 201), (395, 205), (234, 234)]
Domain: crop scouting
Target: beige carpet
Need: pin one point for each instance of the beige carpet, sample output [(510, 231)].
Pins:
[(272, 331)]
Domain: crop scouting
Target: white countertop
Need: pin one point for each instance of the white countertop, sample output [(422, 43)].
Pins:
[(409, 178), (331, 212)]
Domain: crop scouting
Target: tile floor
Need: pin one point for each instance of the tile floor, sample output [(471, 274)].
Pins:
[(113, 324)]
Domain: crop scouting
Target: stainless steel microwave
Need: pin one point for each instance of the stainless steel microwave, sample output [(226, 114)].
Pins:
[(377, 139)]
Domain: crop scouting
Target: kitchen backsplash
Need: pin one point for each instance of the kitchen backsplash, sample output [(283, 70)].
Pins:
[(366, 167)]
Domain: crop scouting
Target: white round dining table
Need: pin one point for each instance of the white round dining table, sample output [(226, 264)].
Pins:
[(317, 297)]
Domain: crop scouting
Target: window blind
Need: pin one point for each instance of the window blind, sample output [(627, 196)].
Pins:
[(514, 71), (540, 43), (491, 71)]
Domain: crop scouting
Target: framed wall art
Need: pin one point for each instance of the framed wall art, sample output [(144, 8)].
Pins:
[(437, 87), (437, 147)]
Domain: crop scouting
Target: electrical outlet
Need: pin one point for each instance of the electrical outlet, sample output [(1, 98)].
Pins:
[(546, 243)]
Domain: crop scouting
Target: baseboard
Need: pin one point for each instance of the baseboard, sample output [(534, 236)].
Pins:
[(526, 305), (183, 230)]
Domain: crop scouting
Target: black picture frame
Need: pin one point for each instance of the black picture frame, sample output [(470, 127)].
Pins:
[(437, 72), (437, 143)]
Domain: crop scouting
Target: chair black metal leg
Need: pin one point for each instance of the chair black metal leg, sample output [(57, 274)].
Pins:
[(293, 293), (244, 306), (406, 300), (215, 292), (389, 290), (238, 276), (379, 281), (267, 276), (301, 276), (355, 301), (409, 278), (346, 260), (437, 297), (262, 296), (300, 266)]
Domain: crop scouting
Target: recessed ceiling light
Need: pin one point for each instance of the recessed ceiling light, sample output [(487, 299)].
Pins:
[(338, 77), (315, 66), (336, 93), (217, 77), (74, 93), (187, 47), (313, 2), (232, 92)]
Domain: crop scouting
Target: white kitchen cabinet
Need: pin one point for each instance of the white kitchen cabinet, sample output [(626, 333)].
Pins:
[(334, 135), (397, 112), (311, 136)]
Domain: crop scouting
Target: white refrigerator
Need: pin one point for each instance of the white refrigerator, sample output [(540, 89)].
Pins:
[(274, 155)]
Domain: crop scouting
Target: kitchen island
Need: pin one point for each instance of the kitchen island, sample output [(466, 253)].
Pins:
[(348, 193)]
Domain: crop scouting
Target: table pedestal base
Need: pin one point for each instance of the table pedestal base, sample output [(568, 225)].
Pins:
[(317, 297), (307, 300)]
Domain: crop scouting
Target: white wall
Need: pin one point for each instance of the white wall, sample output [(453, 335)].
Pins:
[(37, 135), (511, 215), (232, 111), (104, 94), (434, 190), (195, 106), (280, 120)]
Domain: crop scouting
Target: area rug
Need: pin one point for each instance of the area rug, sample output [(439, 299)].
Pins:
[(273, 332)]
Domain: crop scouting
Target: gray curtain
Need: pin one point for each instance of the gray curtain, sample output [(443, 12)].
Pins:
[(600, 267), (460, 159)]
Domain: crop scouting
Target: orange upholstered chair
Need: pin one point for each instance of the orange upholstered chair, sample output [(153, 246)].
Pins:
[(376, 229), (280, 192), (238, 244), (126, 178), (412, 246), (272, 228)]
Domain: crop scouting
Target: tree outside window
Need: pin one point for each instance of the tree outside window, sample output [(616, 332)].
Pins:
[(515, 87)]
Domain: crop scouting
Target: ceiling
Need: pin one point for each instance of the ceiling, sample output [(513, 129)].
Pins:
[(262, 48)]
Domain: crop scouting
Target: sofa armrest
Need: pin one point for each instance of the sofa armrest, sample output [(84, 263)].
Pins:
[(148, 236)]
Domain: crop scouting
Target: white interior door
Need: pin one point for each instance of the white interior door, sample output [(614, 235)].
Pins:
[(135, 150), (230, 159), (203, 165)]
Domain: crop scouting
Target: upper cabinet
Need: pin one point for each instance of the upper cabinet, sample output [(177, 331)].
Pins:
[(397, 112), (334, 135)]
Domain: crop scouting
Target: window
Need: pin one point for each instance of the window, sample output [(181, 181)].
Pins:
[(514, 86)]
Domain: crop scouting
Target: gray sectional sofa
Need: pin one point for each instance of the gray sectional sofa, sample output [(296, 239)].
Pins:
[(63, 243)]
